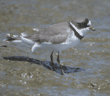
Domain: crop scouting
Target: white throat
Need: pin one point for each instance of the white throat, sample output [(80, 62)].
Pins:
[(89, 23)]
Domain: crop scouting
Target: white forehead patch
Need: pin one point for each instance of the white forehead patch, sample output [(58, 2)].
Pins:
[(89, 23)]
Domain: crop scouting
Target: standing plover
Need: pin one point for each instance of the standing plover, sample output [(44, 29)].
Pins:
[(57, 37)]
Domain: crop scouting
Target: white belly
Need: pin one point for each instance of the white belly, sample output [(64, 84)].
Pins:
[(55, 47)]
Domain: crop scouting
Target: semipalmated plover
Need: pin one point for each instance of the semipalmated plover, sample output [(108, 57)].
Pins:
[(57, 37)]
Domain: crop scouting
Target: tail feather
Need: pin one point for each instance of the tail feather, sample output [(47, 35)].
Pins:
[(14, 38), (22, 38), (10, 39)]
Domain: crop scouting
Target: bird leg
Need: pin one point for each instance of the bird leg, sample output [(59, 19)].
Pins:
[(51, 57), (58, 60)]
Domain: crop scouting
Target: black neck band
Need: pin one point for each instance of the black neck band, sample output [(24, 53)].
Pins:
[(75, 32)]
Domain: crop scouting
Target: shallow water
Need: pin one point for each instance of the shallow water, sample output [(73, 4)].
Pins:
[(21, 78)]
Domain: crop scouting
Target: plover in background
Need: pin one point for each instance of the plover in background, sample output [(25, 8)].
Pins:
[(57, 37)]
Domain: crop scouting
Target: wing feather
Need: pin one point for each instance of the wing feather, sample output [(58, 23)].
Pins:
[(55, 34)]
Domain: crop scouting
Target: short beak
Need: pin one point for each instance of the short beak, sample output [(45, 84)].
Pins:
[(91, 28)]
